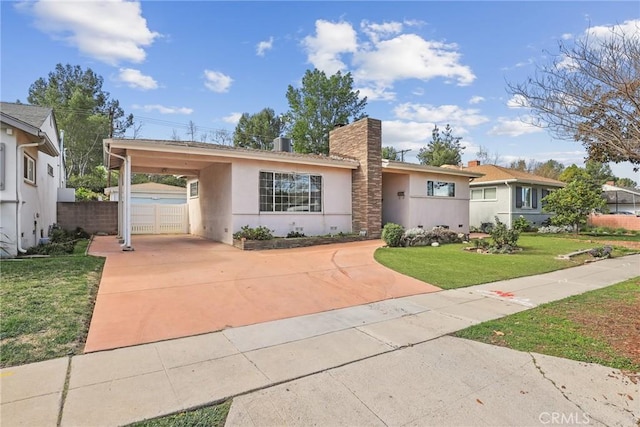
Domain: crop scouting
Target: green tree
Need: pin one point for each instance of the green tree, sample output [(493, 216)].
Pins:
[(390, 153), (443, 149), (549, 169), (572, 204), (83, 110), (318, 106), (594, 172), (258, 130), (626, 183)]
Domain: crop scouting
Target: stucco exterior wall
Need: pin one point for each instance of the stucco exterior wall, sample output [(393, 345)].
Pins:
[(38, 210), (210, 212), (481, 211), (336, 200), (431, 211), (395, 208)]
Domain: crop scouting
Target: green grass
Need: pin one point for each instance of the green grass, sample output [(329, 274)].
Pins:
[(211, 416), (449, 266), (595, 237), (46, 306), (593, 327)]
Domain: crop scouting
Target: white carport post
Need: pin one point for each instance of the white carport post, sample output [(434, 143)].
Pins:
[(121, 203), (126, 246)]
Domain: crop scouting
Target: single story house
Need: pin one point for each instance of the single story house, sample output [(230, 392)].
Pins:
[(621, 199), (351, 190), (31, 172), (507, 194), (151, 192)]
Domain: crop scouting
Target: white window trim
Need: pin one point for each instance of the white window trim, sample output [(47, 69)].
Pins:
[(484, 198), (32, 161), (527, 202), (440, 182), (274, 212)]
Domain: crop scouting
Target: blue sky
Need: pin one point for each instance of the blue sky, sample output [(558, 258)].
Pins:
[(419, 63)]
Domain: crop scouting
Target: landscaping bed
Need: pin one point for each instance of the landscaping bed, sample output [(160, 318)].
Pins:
[(294, 242)]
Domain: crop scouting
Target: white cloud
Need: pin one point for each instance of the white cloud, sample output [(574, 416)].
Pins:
[(376, 93), (517, 101), (135, 79), (162, 109), (331, 40), (517, 127), (217, 81), (264, 46), (410, 56), (566, 36), (232, 118), (476, 100), (109, 31), (629, 28), (444, 114), (380, 31)]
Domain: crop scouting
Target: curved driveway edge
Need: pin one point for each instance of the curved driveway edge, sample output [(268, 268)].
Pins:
[(177, 286)]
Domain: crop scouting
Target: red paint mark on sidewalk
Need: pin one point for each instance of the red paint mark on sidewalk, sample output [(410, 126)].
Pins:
[(504, 294)]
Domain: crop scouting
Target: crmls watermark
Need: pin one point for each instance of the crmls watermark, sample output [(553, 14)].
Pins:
[(571, 418)]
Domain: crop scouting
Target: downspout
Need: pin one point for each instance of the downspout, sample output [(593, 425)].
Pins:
[(510, 204), (19, 175), (62, 172)]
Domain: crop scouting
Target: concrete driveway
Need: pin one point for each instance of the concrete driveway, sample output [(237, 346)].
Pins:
[(177, 286)]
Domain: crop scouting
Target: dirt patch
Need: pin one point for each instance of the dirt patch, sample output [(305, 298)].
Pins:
[(615, 321)]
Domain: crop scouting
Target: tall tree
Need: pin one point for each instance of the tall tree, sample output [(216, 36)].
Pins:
[(488, 158), (572, 204), (444, 149), (549, 169), (626, 183), (594, 173), (390, 153), (320, 104), (192, 130), (590, 93), (83, 110), (258, 130)]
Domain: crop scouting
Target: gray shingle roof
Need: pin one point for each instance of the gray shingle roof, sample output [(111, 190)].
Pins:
[(29, 114)]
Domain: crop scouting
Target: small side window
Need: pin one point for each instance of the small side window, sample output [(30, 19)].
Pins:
[(29, 169), (193, 189)]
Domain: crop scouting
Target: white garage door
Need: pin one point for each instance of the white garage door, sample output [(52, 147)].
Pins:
[(159, 219)]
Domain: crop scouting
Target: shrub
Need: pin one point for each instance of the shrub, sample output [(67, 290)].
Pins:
[(554, 229), (486, 227), (258, 233), (601, 252), (392, 234), (480, 244), (521, 224), (294, 234), (503, 236), (422, 237), (60, 242)]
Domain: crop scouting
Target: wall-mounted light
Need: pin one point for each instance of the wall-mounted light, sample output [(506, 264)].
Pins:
[(401, 194)]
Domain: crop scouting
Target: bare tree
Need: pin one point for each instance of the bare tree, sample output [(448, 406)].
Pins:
[(192, 130), (590, 92), (488, 158), (137, 130), (221, 136), (175, 136)]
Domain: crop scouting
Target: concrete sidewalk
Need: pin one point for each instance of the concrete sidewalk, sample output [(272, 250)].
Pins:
[(376, 364)]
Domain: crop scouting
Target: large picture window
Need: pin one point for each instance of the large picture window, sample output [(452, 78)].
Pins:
[(29, 169), (441, 189), (290, 192)]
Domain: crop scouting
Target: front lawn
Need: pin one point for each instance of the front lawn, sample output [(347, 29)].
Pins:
[(46, 306), (210, 416), (601, 326), (449, 266)]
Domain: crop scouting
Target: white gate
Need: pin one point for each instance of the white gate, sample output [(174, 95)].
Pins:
[(159, 219)]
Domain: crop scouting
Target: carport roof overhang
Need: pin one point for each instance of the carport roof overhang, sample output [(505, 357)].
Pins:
[(188, 158), (400, 167)]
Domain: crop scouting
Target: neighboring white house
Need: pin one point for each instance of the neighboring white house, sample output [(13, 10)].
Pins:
[(352, 190), (151, 192), (507, 194), (31, 172), (621, 199)]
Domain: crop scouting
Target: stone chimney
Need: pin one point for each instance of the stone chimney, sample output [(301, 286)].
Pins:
[(473, 163), (362, 141)]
